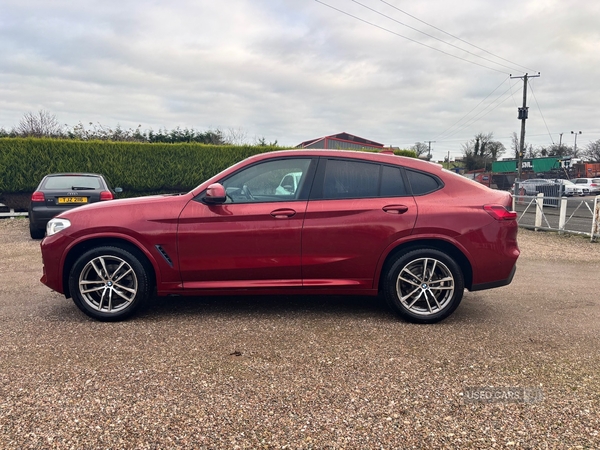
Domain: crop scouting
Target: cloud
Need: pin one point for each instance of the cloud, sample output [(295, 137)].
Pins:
[(298, 69)]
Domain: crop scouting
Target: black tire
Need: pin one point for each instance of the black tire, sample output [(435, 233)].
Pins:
[(423, 285), (117, 282), (36, 233)]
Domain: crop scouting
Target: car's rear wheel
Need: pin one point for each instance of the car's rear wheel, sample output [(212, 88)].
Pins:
[(109, 283), (424, 286), (36, 233)]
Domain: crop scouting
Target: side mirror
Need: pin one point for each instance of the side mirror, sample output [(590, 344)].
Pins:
[(215, 194), (118, 190)]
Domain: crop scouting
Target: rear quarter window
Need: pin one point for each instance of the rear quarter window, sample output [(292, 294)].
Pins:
[(422, 183)]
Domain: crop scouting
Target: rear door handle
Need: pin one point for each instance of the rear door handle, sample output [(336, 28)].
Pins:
[(283, 213), (395, 209)]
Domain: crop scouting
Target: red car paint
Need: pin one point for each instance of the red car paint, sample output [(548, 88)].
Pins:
[(310, 245)]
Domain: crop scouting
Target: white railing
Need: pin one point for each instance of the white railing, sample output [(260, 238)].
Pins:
[(562, 214), (11, 212)]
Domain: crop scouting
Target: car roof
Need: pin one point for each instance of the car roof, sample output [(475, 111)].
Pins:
[(387, 157)]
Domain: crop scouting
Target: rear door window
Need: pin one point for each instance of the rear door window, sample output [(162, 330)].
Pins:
[(350, 179), (392, 182), (359, 179)]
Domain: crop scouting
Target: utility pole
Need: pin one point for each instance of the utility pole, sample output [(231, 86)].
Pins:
[(575, 146), (523, 118), (429, 156)]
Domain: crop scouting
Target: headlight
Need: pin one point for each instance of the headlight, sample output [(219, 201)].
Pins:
[(55, 225)]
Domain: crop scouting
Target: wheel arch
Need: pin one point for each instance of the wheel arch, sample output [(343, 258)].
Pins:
[(80, 248), (436, 244)]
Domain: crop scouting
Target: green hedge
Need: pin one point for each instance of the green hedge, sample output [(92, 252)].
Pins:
[(136, 167)]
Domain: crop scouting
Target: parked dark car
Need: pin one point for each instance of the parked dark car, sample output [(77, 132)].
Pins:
[(59, 192), (354, 223)]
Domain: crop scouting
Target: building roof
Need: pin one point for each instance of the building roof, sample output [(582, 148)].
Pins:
[(342, 137)]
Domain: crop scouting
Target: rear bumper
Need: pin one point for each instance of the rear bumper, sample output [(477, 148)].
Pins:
[(495, 284)]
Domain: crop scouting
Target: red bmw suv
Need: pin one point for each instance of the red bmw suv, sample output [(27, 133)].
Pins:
[(347, 223)]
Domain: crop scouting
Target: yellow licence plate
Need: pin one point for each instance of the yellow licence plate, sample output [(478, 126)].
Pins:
[(72, 199)]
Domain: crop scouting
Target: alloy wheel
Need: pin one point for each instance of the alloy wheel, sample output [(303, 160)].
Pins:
[(425, 286)]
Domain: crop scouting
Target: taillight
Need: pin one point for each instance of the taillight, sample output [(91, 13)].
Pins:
[(499, 212), (106, 195), (38, 196)]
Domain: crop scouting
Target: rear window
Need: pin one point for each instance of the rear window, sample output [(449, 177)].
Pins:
[(72, 182)]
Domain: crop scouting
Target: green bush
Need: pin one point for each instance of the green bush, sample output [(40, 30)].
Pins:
[(136, 167)]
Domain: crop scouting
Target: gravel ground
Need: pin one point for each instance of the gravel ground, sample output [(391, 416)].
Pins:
[(314, 372)]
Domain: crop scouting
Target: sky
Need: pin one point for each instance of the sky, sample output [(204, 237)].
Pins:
[(394, 71)]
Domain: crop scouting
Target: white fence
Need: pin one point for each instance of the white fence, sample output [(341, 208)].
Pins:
[(566, 215), (10, 213)]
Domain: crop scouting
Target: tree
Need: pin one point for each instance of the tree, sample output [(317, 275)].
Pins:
[(592, 151), (420, 148), (42, 124), (262, 142), (481, 151), (236, 136), (559, 150), (514, 144), (5, 133)]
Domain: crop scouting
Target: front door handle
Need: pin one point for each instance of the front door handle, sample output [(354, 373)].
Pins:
[(395, 209), (283, 213)]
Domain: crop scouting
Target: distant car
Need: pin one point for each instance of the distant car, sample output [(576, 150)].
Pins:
[(572, 189), (289, 184), (60, 192), (593, 184), (529, 186), (357, 223)]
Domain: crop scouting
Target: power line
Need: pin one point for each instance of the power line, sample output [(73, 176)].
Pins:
[(431, 36), (477, 118), (407, 38), (540, 110), (453, 36), (466, 115), (481, 114)]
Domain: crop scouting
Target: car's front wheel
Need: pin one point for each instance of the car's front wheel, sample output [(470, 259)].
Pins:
[(424, 285), (109, 283)]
